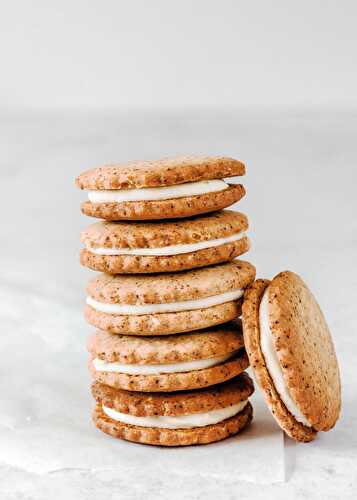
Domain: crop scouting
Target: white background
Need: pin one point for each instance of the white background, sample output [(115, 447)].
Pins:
[(83, 83), (178, 54)]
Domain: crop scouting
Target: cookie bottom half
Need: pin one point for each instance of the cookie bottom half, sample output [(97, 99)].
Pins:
[(164, 323), (165, 209), (134, 264), (169, 382), (173, 437)]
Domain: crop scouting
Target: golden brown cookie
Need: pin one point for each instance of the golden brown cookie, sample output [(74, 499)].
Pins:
[(174, 419), (169, 188), (291, 352), (168, 303), (157, 173), (150, 247), (168, 363)]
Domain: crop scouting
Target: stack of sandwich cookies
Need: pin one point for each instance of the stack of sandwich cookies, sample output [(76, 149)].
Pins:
[(292, 355), (175, 418), (168, 357), (163, 189)]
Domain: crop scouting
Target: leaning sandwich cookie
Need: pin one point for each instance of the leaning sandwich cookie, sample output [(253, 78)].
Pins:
[(292, 355), (169, 188), (168, 246), (168, 363), (174, 419), (168, 303)]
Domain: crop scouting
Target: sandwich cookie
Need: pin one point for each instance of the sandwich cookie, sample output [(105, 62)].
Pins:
[(176, 418), (169, 188), (161, 304), (169, 246), (291, 352), (171, 363)]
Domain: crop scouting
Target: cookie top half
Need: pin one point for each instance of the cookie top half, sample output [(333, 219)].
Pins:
[(204, 344), (165, 172), (153, 235), (172, 287), (292, 353)]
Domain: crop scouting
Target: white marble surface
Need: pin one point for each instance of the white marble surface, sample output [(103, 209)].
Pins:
[(302, 205)]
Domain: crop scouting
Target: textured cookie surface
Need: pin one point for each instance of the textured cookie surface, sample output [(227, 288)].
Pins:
[(305, 350), (129, 235), (173, 437), (166, 172), (204, 344), (149, 235), (175, 287), (141, 404), (186, 206), (164, 323), (251, 329)]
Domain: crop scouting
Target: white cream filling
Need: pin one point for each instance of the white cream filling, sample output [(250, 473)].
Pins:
[(181, 422), (185, 366), (157, 193), (185, 305), (272, 361), (168, 250)]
